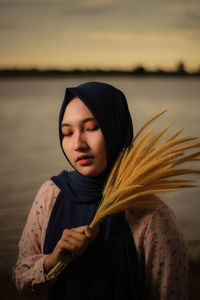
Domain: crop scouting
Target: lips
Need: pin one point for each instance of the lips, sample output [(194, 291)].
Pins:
[(84, 157), (84, 160)]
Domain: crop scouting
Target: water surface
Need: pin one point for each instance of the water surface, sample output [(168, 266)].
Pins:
[(30, 151)]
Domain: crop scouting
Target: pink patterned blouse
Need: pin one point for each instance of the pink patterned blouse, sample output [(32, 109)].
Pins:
[(161, 250)]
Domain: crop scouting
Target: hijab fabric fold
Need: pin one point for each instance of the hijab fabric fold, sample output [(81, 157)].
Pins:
[(108, 269)]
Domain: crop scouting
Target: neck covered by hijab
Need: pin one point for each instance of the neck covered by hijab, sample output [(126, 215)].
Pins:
[(108, 269)]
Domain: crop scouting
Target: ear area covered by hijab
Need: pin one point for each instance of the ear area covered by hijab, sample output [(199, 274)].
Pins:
[(109, 107)]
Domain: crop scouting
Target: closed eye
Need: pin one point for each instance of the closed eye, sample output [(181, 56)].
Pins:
[(66, 131), (93, 128), (67, 134)]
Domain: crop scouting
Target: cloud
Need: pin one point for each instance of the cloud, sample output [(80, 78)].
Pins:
[(188, 24), (4, 25), (57, 2), (30, 1), (93, 26), (126, 37), (193, 16), (92, 7), (191, 19), (140, 16), (9, 26), (100, 2)]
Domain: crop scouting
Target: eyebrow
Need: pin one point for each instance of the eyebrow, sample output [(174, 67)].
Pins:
[(83, 121)]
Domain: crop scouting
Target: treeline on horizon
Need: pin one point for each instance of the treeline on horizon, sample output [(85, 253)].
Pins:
[(137, 71)]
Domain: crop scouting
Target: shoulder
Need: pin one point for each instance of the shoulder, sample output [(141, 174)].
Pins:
[(48, 187), (148, 224), (42, 206), (160, 213), (46, 194)]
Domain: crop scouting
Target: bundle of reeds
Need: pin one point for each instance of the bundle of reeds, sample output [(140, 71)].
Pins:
[(141, 170)]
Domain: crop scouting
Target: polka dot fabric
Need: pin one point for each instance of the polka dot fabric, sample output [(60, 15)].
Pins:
[(162, 253), (161, 249), (29, 273)]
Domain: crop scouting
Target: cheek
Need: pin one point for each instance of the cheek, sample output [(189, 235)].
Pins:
[(100, 147), (67, 149)]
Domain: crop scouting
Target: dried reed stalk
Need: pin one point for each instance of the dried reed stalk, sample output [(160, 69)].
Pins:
[(141, 170)]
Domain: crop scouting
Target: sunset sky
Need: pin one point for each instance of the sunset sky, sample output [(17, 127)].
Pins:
[(99, 33)]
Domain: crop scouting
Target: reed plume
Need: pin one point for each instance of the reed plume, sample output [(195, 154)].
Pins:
[(142, 170)]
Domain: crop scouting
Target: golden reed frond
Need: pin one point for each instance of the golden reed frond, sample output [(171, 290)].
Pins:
[(141, 171)]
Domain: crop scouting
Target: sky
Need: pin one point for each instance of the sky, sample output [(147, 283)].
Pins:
[(99, 34)]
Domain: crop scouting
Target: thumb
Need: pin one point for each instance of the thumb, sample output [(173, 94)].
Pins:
[(91, 233)]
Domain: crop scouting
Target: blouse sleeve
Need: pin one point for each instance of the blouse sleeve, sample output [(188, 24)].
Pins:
[(165, 259), (162, 255), (29, 273)]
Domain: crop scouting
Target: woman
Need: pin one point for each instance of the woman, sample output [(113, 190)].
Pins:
[(135, 255)]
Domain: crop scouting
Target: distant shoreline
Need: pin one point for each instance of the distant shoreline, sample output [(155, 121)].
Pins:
[(137, 72)]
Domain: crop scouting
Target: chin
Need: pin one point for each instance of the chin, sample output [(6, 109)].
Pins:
[(89, 174), (88, 171)]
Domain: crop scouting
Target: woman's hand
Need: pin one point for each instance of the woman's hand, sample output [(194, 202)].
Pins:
[(75, 240)]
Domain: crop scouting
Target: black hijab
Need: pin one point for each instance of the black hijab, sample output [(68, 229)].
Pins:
[(108, 269), (109, 107)]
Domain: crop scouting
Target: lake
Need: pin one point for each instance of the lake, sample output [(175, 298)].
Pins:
[(30, 151)]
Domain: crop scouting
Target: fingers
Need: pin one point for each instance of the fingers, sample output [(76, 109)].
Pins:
[(81, 228), (74, 233), (90, 233), (75, 247), (74, 240)]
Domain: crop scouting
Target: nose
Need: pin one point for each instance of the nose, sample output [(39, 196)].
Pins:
[(80, 143)]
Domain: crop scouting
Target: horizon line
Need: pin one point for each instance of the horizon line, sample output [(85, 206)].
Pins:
[(139, 70)]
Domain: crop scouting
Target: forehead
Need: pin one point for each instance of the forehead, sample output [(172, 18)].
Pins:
[(76, 109)]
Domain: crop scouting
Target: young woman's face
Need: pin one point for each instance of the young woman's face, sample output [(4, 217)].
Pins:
[(83, 141)]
